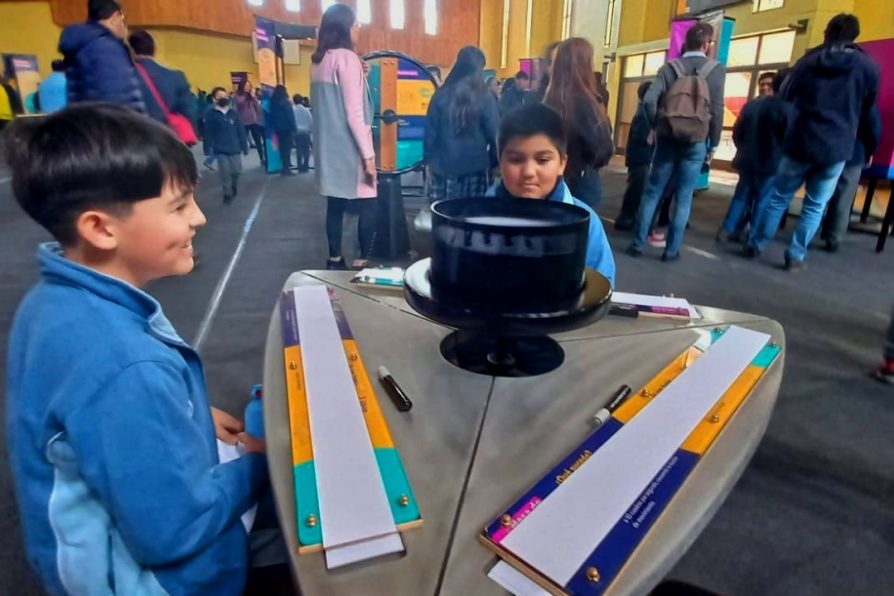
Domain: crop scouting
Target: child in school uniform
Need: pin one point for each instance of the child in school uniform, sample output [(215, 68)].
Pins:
[(225, 135), (111, 437), (533, 156)]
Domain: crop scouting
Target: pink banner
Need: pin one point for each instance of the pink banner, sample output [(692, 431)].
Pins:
[(883, 160)]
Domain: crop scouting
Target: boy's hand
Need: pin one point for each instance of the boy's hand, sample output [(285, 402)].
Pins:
[(252, 444), (226, 427)]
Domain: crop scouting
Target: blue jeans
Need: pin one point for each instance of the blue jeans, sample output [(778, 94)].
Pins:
[(747, 201), (820, 184), (685, 161)]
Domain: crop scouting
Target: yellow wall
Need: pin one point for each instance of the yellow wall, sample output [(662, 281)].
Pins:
[(490, 31), (207, 59), (546, 27), (876, 19)]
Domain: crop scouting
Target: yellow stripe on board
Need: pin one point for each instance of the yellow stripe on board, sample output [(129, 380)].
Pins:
[(299, 423), (372, 413), (642, 397), (707, 430)]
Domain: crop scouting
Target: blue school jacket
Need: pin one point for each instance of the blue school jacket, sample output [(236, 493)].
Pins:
[(599, 251), (112, 445)]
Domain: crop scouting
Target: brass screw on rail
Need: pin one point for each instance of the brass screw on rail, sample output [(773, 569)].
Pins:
[(311, 521), (592, 574)]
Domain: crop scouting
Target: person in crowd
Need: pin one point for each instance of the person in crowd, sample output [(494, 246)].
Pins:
[(250, 114), (494, 86), (758, 134), (681, 148), (225, 136), (208, 162), (601, 89), (638, 158), (171, 84), (282, 121), (305, 101), (98, 64), (460, 142), (832, 89), (514, 92), (533, 157), (572, 93), (765, 86), (53, 91), (838, 214), (115, 461), (549, 54), (304, 121), (344, 157)]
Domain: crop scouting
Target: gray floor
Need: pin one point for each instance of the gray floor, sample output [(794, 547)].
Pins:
[(813, 513)]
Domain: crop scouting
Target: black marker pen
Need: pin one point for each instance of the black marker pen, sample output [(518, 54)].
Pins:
[(397, 395)]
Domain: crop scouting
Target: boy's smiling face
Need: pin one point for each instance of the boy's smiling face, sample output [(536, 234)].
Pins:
[(152, 239), (531, 166)]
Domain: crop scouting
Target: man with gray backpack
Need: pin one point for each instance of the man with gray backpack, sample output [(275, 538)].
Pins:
[(684, 107)]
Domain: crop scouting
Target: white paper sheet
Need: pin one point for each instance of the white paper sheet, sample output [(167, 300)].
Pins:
[(565, 528), (514, 581), (663, 301), (340, 556), (353, 503), (225, 453)]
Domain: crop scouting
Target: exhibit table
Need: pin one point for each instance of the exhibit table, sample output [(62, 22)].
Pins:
[(472, 444)]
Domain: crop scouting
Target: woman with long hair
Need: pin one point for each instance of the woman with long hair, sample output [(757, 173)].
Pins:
[(282, 121), (344, 157), (251, 116), (573, 94), (461, 131)]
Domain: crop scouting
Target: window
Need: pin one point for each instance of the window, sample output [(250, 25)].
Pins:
[(609, 23), (325, 4), (567, 12), (293, 5), (742, 52), (776, 47), (364, 12), (762, 5), (397, 14), (431, 17), (653, 62)]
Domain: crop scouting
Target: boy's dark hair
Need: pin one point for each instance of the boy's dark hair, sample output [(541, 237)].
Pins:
[(533, 119), (842, 28), (766, 75), (58, 65), (522, 76), (297, 99), (698, 36), (215, 90), (142, 43), (91, 156), (643, 89), (100, 10)]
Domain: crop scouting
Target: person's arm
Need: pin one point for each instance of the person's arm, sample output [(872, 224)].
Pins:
[(149, 464), (654, 95), (740, 126), (116, 79), (353, 91), (184, 102), (716, 83)]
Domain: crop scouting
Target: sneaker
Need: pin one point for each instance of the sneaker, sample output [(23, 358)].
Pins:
[(831, 246), (634, 251), (794, 265), (666, 258), (885, 372), (751, 252), (657, 239), (208, 166), (624, 225), (338, 265)]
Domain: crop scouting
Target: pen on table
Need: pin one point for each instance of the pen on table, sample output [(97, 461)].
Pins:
[(397, 395), (617, 399), (620, 310)]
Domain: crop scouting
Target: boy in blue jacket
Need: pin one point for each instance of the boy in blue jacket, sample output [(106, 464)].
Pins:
[(533, 156), (111, 437)]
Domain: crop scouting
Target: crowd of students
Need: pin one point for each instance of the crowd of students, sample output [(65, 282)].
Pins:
[(130, 417)]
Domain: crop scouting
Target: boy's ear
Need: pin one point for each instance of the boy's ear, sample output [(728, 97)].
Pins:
[(98, 229)]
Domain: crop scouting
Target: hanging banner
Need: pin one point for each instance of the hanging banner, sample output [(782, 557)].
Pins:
[(238, 78), (265, 48), (23, 70)]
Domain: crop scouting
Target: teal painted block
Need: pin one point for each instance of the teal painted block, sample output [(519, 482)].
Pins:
[(766, 356), (307, 503), (396, 484)]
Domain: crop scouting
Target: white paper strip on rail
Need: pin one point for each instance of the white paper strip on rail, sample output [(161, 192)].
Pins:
[(513, 581), (353, 503), (564, 529)]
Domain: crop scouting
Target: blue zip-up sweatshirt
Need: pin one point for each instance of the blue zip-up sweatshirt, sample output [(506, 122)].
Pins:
[(112, 445), (599, 251)]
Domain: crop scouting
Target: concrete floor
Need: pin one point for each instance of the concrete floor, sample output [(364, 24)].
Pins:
[(812, 515)]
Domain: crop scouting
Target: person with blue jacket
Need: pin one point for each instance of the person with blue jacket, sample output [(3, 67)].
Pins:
[(98, 63), (112, 441), (172, 85), (227, 142), (53, 91), (533, 156)]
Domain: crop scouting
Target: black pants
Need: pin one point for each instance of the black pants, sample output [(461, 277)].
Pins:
[(285, 149), (302, 144), (636, 184), (366, 225), (257, 135)]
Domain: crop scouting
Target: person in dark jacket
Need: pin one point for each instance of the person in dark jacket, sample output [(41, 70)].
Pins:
[(515, 92), (676, 159), (98, 64), (758, 135), (832, 89), (460, 143), (282, 121), (171, 84), (638, 158), (838, 215), (225, 136)]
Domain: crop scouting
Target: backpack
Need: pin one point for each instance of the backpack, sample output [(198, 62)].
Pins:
[(685, 112)]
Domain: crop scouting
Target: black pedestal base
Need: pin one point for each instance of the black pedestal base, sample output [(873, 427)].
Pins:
[(502, 356)]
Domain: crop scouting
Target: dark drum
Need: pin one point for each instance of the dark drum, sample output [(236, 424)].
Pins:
[(508, 255)]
